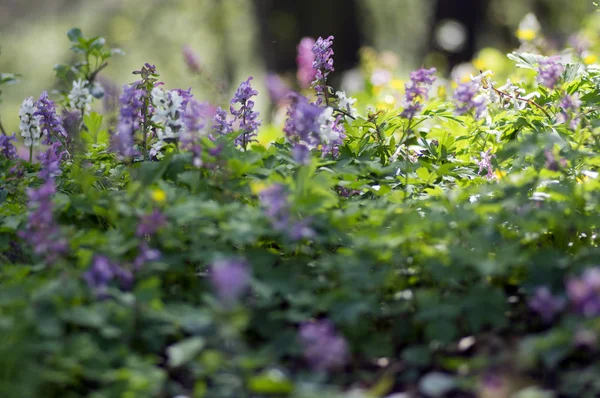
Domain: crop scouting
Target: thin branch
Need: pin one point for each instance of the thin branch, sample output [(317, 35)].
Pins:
[(529, 101)]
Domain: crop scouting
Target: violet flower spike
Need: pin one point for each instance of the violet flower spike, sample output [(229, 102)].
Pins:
[(323, 64), (549, 72), (305, 59), (584, 293), (42, 232), (545, 304), (7, 149), (416, 91), (230, 278), (245, 115), (149, 224), (50, 121), (129, 121), (221, 125), (324, 348), (467, 99)]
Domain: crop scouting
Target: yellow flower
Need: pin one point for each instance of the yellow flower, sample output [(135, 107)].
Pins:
[(479, 64), (397, 84), (257, 186), (499, 174), (158, 195), (526, 34), (590, 59)]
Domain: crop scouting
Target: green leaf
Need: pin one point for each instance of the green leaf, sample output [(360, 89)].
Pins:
[(525, 60), (184, 351), (272, 381), (74, 35)]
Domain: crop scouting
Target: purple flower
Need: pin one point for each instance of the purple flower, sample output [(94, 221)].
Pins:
[(549, 72), (416, 91), (110, 99), (195, 117), (274, 201), (486, 163), (71, 121), (41, 231), (230, 278), (467, 99), (277, 88), (149, 224), (305, 58), (245, 115), (545, 304), (145, 255), (102, 272), (301, 153), (50, 161), (191, 59), (323, 63), (324, 349), (7, 149), (220, 124), (302, 123), (130, 117), (50, 121), (275, 204), (570, 104), (584, 293)]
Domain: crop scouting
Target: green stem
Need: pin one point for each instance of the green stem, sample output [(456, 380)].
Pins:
[(30, 153), (145, 124)]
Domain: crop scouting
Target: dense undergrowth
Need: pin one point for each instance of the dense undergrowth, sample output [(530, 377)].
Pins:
[(432, 237)]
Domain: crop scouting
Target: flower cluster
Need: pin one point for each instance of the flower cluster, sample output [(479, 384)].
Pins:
[(167, 113), (221, 125), (245, 116), (467, 98), (485, 163), (323, 64), (305, 59), (549, 72), (130, 118), (194, 119), (50, 161), (274, 201), (102, 272), (149, 224), (584, 293), (545, 304), (230, 278), (324, 349), (42, 232), (50, 122), (346, 104), (311, 125), (79, 97), (7, 149), (416, 91), (569, 107), (30, 123)]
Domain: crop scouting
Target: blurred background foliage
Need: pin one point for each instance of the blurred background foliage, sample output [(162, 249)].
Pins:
[(238, 38)]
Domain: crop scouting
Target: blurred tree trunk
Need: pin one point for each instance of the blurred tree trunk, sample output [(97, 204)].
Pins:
[(284, 22)]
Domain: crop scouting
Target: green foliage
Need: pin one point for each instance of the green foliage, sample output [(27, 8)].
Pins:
[(424, 256)]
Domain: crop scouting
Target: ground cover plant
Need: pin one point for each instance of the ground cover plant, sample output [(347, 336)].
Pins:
[(434, 237)]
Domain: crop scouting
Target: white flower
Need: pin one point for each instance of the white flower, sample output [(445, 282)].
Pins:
[(166, 112), (80, 97), (30, 123), (346, 103), (326, 126)]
